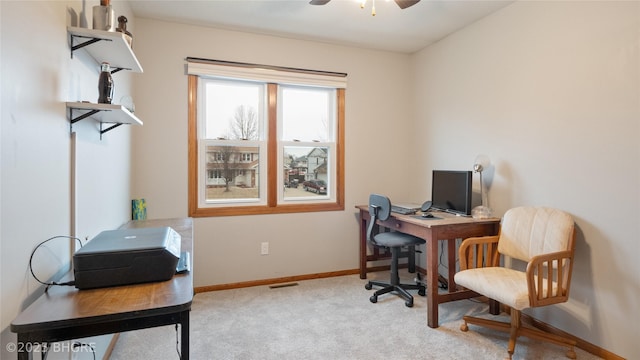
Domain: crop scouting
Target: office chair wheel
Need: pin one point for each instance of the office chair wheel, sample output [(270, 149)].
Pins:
[(409, 303), (422, 292), (368, 286), (373, 299)]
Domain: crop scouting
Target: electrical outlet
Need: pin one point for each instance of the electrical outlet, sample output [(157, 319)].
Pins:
[(264, 248)]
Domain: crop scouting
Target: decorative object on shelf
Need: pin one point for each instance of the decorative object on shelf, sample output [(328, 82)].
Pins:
[(105, 85), (82, 18), (122, 27), (104, 17), (138, 209), (483, 211)]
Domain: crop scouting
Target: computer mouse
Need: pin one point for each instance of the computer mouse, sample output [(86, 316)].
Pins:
[(427, 215)]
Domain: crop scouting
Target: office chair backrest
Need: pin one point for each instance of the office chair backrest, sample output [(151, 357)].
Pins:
[(379, 209), (529, 231)]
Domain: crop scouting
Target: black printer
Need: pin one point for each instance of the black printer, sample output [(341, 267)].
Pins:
[(127, 256)]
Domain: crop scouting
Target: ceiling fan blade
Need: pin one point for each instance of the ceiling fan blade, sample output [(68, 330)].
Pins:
[(318, 2), (405, 3)]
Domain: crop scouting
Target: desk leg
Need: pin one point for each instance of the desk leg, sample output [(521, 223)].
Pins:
[(24, 347), (451, 255), (184, 335), (363, 247), (432, 280), (411, 261)]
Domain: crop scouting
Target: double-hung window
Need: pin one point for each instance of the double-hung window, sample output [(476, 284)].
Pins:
[(264, 140)]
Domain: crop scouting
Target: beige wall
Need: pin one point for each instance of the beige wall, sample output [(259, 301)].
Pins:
[(227, 249), (550, 92)]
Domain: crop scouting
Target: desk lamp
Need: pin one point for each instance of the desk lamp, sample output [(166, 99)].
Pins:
[(482, 211)]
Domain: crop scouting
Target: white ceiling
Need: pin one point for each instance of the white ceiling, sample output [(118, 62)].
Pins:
[(338, 22)]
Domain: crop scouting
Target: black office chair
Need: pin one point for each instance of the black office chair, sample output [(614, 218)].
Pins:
[(380, 209)]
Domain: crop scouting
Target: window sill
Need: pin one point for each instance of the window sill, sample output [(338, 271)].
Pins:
[(263, 210)]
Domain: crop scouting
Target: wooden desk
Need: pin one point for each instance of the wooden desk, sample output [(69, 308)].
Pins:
[(449, 228), (65, 313)]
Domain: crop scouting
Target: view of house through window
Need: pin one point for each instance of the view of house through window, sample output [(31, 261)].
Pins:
[(233, 121), (263, 146), (305, 171)]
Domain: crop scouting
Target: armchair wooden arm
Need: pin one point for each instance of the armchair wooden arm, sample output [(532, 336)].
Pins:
[(477, 252), (549, 277)]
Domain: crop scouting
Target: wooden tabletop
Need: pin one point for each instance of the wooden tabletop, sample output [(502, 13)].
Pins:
[(442, 218), (64, 306)]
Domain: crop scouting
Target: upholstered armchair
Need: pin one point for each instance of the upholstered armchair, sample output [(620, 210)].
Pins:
[(542, 238)]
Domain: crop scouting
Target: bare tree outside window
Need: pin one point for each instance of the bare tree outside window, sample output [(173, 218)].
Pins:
[(234, 172), (244, 125), (226, 159)]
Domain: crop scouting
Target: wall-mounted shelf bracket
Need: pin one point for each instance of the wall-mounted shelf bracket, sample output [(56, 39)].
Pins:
[(80, 117), (81, 45), (102, 131), (112, 114), (91, 40)]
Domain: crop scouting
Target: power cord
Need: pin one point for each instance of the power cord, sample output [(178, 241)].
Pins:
[(52, 283), (177, 344), (81, 345)]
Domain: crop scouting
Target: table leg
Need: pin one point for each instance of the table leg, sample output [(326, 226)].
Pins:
[(24, 347), (411, 261), (451, 255), (184, 335), (432, 280), (363, 247)]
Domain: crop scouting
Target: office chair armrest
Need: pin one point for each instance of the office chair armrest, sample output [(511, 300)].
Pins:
[(477, 252), (549, 272)]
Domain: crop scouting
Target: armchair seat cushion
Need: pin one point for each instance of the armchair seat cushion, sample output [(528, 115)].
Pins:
[(504, 285)]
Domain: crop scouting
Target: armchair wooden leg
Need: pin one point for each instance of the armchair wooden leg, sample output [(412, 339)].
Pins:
[(497, 325), (515, 329)]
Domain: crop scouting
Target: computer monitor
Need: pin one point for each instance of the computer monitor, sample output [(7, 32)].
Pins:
[(451, 191)]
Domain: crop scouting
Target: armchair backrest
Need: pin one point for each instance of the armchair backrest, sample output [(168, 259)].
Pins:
[(526, 232)]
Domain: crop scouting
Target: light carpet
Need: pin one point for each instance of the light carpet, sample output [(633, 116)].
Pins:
[(328, 318)]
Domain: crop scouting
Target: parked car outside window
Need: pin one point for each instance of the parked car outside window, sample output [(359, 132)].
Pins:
[(316, 186)]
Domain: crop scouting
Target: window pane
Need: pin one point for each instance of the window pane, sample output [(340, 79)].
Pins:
[(233, 110), (306, 171), (307, 113), (232, 172)]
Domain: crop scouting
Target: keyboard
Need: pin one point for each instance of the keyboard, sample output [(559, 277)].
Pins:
[(184, 264), (402, 210)]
